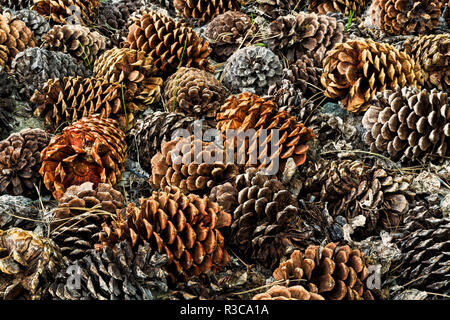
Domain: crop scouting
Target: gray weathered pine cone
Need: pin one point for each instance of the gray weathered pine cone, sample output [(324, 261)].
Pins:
[(35, 66), (13, 208), (35, 22), (252, 69), (16, 4)]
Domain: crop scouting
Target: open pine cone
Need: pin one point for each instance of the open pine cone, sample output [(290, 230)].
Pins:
[(134, 69), (19, 212), (307, 34), (355, 70), (344, 6), (35, 66), (203, 11), (28, 264), (185, 227), (194, 92), (91, 149), (62, 11), (334, 272), (397, 17), (35, 22), (305, 76), (278, 292), (432, 54), (77, 219), (20, 160), (277, 8), (16, 4), (409, 124), (170, 43), (15, 37)]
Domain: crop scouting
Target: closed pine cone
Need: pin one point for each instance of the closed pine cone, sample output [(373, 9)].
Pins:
[(78, 41), (396, 17), (20, 160), (357, 69), (229, 31), (344, 6), (28, 265), (191, 165), (35, 66), (62, 11), (203, 11), (118, 273), (278, 292), (15, 37), (432, 54), (62, 101), (77, 219), (335, 272), (276, 8), (35, 22), (307, 34), (194, 92), (185, 227), (409, 124), (266, 223), (91, 149), (165, 39)]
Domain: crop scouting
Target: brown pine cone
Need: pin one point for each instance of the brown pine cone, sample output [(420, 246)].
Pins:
[(77, 219), (432, 54), (344, 6), (409, 124), (15, 37), (62, 101), (396, 17), (185, 227), (203, 11), (170, 43), (35, 22), (266, 224), (91, 149), (78, 41), (447, 14), (352, 188), (62, 11), (424, 243), (278, 292), (305, 34), (194, 92), (191, 165), (134, 69), (20, 159), (28, 265), (355, 70), (305, 75), (225, 195), (228, 32), (277, 8), (16, 4), (335, 272)]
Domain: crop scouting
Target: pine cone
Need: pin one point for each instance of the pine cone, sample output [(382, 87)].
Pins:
[(248, 111), (352, 188), (78, 41), (62, 11), (194, 92), (228, 32), (61, 102), (225, 195), (18, 212), (15, 36), (19, 161), (344, 6), (278, 292), (335, 272), (183, 227), (134, 69), (432, 54), (8, 94), (35, 22), (203, 11), (119, 273), (16, 4), (79, 215), (424, 244), (252, 69), (91, 149), (28, 265), (396, 17), (266, 224), (355, 70), (168, 41), (166, 4), (305, 76), (191, 165), (277, 8), (305, 34), (409, 124), (149, 133), (35, 66), (447, 14)]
